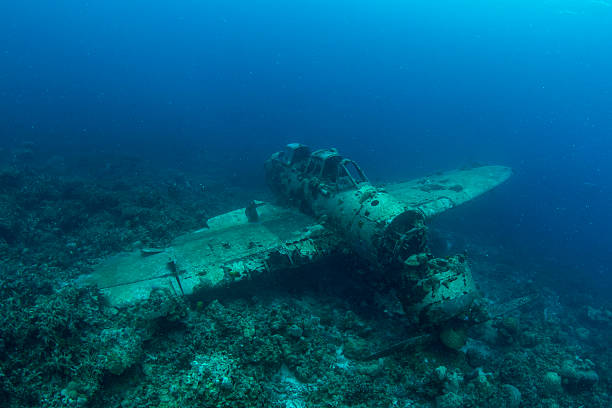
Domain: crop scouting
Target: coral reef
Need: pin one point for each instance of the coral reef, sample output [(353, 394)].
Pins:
[(300, 341)]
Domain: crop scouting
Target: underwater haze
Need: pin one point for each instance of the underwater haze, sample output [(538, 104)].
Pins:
[(202, 92), (404, 88)]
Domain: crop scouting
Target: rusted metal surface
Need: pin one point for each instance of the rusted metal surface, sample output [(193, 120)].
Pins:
[(386, 225), (378, 226), (329, 207), (440, 192), (230, 250)]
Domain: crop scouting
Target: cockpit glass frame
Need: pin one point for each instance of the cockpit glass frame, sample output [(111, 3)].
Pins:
[(350, 175), (294, 153), (330, 168)]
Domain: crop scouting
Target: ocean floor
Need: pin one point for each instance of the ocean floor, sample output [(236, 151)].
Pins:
[(300, 340)]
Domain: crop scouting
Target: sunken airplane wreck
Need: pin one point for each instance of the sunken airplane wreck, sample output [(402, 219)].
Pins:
[(327, 207)]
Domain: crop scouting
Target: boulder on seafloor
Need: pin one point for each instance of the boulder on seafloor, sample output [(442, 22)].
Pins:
[(453, 338), (600, 317), (356, 347), (551, 383), (449, 400), (478, 354), (578, 374), (510, 396)]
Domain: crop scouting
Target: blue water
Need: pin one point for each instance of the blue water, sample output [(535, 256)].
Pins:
[(403, 87)]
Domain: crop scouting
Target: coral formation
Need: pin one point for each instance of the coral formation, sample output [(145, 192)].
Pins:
[(298, 341)]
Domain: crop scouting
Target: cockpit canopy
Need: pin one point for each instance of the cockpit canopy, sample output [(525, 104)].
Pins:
[(325, 164), (293, 153)]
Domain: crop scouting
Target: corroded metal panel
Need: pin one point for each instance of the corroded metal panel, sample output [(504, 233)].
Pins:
[(442, 191), (386, 225), (383, 225), (230, 250)]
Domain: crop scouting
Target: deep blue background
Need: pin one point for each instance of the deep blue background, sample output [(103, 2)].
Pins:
[(404, 87)]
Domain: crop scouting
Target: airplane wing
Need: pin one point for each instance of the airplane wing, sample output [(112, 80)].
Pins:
[(437, 193), (231, 249)]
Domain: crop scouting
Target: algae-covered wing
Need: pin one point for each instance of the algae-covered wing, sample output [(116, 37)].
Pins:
[(437, 193), (231, 249)]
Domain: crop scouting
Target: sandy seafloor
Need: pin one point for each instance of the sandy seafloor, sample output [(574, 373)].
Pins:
[(298, 341)]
